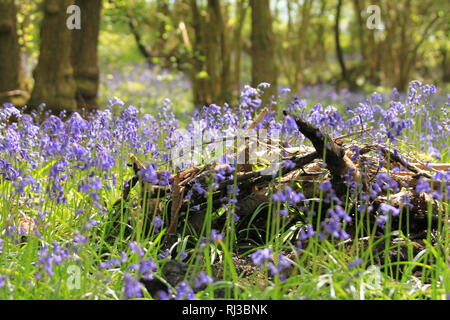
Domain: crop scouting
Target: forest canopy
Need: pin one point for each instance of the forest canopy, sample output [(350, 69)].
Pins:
[(214, 47)]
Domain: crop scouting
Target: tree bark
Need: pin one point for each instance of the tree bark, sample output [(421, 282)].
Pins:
[(85, 55), (339, 53), (241, 11), (200, 83), (9, 49), (263, 47), (54, 80)]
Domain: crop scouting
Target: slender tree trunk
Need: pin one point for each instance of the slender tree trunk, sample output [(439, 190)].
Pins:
[(301, 47), (339, 53), (263, 48), (9, 50), (200, 83), (54, 81), (444, 65), (84, 54), (211, 48), (240, 13), (225, 53)]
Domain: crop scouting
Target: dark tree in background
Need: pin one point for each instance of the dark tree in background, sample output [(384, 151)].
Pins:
[(263, 46), (84, 53), (210, 69), (54, 80), (339, 52), (9, 51)]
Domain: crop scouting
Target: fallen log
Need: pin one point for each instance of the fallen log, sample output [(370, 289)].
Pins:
[(338, 163)]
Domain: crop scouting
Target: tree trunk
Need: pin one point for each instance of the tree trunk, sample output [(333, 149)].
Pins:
[(200, 83), (9, 50), (301, 47), (241, 10), (339, 53), (444, 65), (54, 81), (84, 54), (263, 47)]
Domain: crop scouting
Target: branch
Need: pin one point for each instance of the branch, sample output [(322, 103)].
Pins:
[(334, 155)]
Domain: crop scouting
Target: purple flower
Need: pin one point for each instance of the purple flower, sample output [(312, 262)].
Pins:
[(146, 269), (92, 223), (289, 164), (132, 289), (423, 186), (136, 249), (325, 186), (198, 188), (299, 246), (381, 220), (47, 258), (284, 212), (333, 227), (291, 125), (184, 291), (386, 182), (149, 174), (158, 223), (183, 255), (123, 257), (109, 264), (215, 236), (202, 279), (338, 213), (283, 262), (260, 256), (79, 238), (163, 295), (272, 269), (356, 263), (2, 281), (308, 234), (386, 208), (264, 85)]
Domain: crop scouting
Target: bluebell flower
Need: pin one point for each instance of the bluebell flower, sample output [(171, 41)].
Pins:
[(283, 263), (79, 238), (325, 186), (146, 268), (289, 164), (183, 255), (149, 174), (354, 264), (184, 292), (423, 186), (202, 279), (304, 235), (215, 236), (92, 223), (381, 220), (260, 256), (132, 289), (386, 208), (284, 212), (272, 269), (158, 223)]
